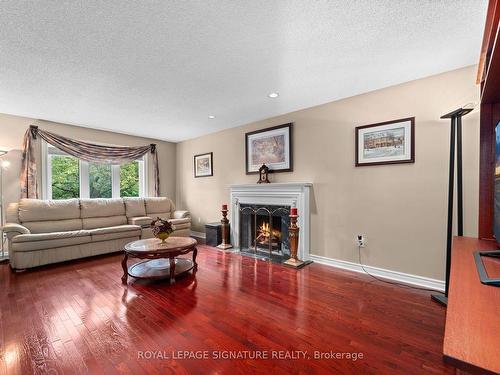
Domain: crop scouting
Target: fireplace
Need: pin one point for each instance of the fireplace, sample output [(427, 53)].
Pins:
[(270, 197), (264, 231)]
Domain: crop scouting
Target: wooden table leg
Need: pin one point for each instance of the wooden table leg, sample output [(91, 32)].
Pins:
[(125, 269), (195, 253), (172, 271)]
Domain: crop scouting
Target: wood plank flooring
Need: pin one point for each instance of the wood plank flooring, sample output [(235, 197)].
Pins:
[(77, 318)]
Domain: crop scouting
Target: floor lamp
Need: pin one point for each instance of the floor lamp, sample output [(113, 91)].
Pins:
[(456, 128), (3, 164)]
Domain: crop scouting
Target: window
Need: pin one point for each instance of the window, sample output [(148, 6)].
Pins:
[(68, 177), (100, 181), (65, 176), (130, 179)]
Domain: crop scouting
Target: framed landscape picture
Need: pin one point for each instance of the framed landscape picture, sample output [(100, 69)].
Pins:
[(203, 165), (272, 147), (390, 142)]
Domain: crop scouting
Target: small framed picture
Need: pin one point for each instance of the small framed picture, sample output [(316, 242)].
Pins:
[(203, 165), (270, 146), (390, 142)]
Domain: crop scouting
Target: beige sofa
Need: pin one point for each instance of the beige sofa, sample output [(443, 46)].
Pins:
[(49, 231)]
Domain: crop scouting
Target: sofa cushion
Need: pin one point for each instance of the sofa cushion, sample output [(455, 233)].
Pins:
[(158, 207), (112, 233), (43, 210), (134, 207), (143, 221), (41, 241), (103, 222), (102, 207), (49, 226)]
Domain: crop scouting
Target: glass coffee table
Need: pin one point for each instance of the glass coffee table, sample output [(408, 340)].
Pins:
[(161, 260)]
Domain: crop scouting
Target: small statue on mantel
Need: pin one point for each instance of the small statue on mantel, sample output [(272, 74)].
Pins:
[(264, 175)]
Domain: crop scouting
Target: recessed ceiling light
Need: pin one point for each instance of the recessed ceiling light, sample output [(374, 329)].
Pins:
[(273, 95), (211, 117)]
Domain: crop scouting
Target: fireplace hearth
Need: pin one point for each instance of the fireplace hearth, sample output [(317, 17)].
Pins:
[(264, 231)]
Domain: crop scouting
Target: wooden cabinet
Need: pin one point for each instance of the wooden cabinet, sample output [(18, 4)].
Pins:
[(472, 332)]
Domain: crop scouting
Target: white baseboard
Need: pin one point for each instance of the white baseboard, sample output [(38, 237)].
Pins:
[(383, 273), (198, 234)]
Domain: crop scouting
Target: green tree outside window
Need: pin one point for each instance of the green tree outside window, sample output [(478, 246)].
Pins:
[(129, 179), (65, 177)]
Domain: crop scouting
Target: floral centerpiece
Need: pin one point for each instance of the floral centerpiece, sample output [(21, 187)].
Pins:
[(161, 229)]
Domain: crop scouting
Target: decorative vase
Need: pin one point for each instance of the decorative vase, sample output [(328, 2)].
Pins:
[(161, 229), (163, 236)]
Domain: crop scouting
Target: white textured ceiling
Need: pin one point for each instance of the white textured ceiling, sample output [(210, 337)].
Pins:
[(159, 68)]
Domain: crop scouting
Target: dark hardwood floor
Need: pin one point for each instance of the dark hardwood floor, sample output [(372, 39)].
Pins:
[(78, 318)]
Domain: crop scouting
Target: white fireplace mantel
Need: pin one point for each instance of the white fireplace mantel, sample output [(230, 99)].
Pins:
[(293, 194)]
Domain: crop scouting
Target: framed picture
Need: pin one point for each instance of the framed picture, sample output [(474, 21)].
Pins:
[(203, 165), (272, 147), (390, 142)]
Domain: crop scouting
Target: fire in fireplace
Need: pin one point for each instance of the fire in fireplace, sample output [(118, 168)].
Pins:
[(264, 231), (269, 234)]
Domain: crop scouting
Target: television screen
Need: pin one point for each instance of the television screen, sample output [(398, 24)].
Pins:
[(496, 221)]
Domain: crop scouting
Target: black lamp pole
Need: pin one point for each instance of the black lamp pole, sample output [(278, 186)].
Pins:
[(456, 128), (460, 198)]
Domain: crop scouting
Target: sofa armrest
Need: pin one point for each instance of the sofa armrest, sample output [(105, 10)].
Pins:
[(11, 230), (180, 214)]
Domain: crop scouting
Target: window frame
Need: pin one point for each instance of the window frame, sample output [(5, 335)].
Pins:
[(143, 165)]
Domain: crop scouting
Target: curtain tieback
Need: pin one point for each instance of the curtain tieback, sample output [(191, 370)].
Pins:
[(34, 131)]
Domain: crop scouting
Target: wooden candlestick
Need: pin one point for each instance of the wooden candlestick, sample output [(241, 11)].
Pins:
[(226, 243), (293, 236)]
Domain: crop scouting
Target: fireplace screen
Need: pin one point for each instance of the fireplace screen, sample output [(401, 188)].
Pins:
[(264, 231)]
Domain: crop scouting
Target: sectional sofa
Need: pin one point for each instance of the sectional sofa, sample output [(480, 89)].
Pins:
[(42, 232)]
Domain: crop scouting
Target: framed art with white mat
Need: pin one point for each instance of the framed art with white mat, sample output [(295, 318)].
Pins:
[(270, 146), (390, 142), (203, 165)]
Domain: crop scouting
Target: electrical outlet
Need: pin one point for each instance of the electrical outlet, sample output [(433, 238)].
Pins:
[(361, 240), (199, 220)]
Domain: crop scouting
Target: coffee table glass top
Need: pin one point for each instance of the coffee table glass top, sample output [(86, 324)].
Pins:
[(155, 245)]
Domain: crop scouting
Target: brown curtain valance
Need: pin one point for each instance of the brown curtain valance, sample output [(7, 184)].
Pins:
[(82, 150)]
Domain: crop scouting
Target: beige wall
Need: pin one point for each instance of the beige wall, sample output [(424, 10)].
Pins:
[(400, 208), (12, 129)]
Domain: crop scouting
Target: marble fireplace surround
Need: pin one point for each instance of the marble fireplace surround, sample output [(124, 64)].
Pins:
[(293, 194)]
